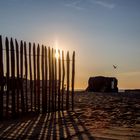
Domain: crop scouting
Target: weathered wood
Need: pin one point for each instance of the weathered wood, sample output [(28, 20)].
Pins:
[(13, 77), (38, 77), (34, 62), (63, 79), (46, 80), (17, 69), (21, 76), (59, 81), (31, 80), (50, 80), (68, 75), (1, 79), (26, 75), (73, 78), (43, 84), (7, 75)]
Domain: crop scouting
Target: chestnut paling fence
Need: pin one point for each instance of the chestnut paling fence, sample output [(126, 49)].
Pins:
[(33, 79)]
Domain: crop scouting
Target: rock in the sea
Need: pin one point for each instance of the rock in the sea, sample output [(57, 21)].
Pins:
[(102, 84)]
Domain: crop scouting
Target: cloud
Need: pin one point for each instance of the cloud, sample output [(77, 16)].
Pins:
[(104, 4), (75, 4), (82, 4)]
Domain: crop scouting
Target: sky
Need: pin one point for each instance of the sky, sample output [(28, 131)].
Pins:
[(103, 33)]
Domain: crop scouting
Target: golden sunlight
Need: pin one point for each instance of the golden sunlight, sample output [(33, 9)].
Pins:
[(57, 55)]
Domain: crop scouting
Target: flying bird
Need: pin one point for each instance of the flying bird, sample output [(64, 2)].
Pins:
[(115, 67)]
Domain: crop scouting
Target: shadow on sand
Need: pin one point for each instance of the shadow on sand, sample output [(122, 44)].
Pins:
[(57, 125)]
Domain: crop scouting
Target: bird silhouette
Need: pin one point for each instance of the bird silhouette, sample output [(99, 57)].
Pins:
[(115, 67)]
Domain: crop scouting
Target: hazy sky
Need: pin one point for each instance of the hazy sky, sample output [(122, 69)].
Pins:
[(102, 32)]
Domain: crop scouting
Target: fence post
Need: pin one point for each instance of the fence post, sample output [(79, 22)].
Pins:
[(46, 78), (17, 80), (34, 62), (50, 79), (1, 79), (63, 79), (59, 80), (43, 96), (68, 73), (73, 78), (7, 75), (55, 81), (22, 80), (31, 84), (26, 75), (53, 86), (38, 77), (13, 77)]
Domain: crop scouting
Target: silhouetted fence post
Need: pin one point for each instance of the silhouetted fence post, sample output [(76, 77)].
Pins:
[(63, 79), (73, 78), (55, 82), (46, 80), (17, 81), (26, 74), (59, 80), (13, 77), (31, 82), (38, 77), (21, 77), (53, 86), (50, 79), (34, 66), (1, 79), (7, 75), (43, 84), (68, 75)]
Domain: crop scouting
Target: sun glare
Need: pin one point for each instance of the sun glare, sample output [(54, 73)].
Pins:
[(57, 54)]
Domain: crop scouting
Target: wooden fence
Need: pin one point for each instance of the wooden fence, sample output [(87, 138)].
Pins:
[(33, 79)]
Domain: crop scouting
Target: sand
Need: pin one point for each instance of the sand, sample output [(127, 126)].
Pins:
[(97, 116), (110, 115)]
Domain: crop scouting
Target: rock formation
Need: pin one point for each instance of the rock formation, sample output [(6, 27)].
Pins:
[(102, 84)]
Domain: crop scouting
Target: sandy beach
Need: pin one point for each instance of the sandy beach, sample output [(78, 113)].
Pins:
[(110, 115), (97, 116)]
